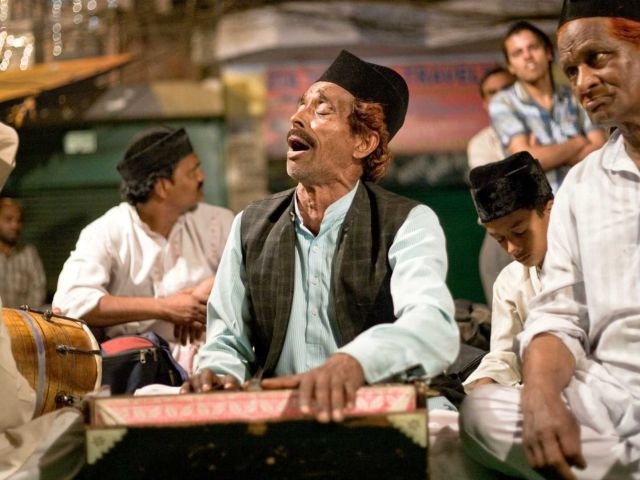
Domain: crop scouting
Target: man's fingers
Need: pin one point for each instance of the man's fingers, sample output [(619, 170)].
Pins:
[(229, 382), (554, 458), (184, 334), (350, 392), (572, 449), (195, 332), (533, 454), (278, 383), (337, 400), (305, 394), (205, 381), (321, 395)]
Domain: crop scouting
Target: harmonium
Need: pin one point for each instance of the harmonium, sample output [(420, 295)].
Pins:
[(256, 435)]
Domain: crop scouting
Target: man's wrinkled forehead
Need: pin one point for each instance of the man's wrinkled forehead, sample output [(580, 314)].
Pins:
[(581, 32)]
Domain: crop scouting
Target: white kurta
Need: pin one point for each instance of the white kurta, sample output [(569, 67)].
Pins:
[(591, 294), (120, 255), (484, 148), (514, 288)]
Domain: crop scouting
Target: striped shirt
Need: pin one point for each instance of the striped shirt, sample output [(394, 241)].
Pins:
[(22, 278), (513, 112), (424, 334), (590, 296)]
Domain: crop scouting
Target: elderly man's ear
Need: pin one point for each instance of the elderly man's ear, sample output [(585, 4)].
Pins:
[(367, 144)]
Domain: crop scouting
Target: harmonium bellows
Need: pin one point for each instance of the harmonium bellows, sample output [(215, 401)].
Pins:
[(261, 435)]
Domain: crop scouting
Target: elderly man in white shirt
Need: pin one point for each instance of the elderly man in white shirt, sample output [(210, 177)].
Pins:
[(578, 415), (149, 264)]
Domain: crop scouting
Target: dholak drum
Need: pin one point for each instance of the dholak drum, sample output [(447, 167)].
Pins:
[(58, 356)]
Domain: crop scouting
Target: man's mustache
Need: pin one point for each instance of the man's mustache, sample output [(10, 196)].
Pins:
[(302, 135)]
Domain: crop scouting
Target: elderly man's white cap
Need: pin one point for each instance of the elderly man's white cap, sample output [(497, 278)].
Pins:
[(8, 149)]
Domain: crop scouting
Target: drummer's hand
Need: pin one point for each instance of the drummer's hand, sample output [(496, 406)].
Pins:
[(207, 381), (184, 307), (188, 333), (325, 391)]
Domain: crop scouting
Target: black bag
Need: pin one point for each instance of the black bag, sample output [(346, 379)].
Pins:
[(474, 323), (449, 383), (130, 362)]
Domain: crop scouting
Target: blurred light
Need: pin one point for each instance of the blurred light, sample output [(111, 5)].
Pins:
[(26, 57), (56, 27), (57, 37), (94, 22), (57, 50), (77, 18), (4, 10), (17, 42), (4, 15)]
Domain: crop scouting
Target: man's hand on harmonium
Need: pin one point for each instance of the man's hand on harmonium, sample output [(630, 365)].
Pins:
[(207, 381), (325, 391)]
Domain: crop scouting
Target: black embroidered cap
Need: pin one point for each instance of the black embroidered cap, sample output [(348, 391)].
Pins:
[(574, 9), (501, 188), (153, 149), (371, 82)]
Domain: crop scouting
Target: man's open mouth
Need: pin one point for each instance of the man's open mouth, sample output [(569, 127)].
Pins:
[(299, 141)]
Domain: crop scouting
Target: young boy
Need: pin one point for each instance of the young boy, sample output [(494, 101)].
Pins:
[(513, 199)]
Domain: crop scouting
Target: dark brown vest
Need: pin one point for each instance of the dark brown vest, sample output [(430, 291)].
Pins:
[(360, 284)]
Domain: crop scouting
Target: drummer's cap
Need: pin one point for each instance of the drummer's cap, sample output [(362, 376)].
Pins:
[(501, 188), (371, 83), (154, 149), (8, 149), (575, 9)]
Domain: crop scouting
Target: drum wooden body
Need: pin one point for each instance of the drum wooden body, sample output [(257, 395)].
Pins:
[(59, 357)]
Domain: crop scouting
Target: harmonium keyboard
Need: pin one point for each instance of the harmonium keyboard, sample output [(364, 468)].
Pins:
[(256, 435)]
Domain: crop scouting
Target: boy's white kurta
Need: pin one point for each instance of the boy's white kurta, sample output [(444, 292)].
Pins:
[(514, 288)]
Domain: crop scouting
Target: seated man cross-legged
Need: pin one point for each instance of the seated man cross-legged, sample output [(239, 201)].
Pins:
[(336, 282)]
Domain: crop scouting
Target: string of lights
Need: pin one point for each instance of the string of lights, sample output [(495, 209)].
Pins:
[(59, 23)]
